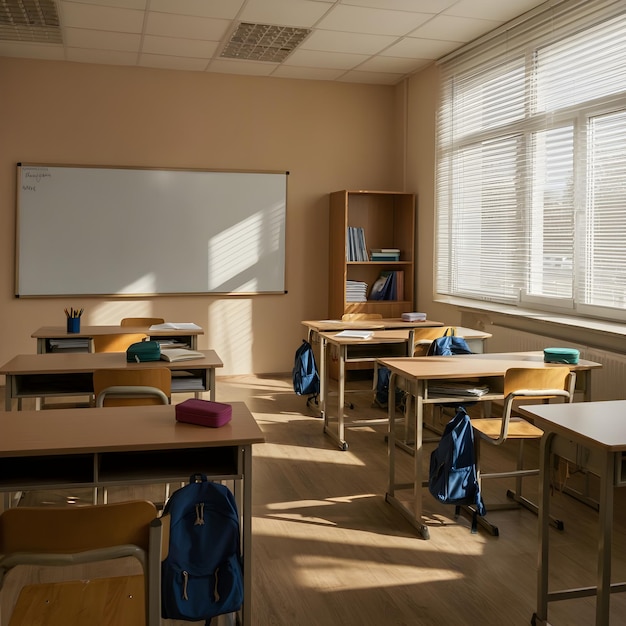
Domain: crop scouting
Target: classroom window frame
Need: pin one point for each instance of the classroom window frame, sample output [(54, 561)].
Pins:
[(530, 187)]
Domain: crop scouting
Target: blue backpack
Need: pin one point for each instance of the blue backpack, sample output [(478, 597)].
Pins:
[(306, 378), (202, 575), (448, 345), (452, 477)]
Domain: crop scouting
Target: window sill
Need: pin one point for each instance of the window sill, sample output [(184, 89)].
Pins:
[(592, 332)]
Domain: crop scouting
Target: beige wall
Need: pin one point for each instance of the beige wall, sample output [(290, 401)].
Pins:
[(329, 136)]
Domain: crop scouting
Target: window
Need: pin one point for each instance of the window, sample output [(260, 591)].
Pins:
[(531, 163)]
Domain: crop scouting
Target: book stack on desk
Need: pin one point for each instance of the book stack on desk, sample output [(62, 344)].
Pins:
[(180, 354), (458, 388), (413, 317)]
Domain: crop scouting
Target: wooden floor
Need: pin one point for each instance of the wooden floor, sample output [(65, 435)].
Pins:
[(328, 549)]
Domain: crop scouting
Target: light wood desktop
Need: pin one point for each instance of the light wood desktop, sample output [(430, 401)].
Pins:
[(592, 434), (90, 448), (46, 334), (398, 342), (50, 375), (419, 373)]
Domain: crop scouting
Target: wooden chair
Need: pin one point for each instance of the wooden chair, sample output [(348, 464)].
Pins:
[(122, 387), (64, 536), (527, 384), (141, 321), (116, 343)]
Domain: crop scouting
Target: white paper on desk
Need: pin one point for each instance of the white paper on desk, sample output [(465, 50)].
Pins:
[(356, 334), (175, 326)]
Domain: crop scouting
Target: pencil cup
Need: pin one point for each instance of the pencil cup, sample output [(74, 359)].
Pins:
[(73, 324)]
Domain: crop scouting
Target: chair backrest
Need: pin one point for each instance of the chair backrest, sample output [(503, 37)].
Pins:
[(350, 317), (129, 387), (85, 534), (116, 343), (423, 337), (530, 384), (141, 321)]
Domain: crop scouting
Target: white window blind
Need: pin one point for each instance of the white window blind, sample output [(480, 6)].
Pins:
[(531, 163)]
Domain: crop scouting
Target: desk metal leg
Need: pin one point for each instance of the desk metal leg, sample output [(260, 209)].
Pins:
[(247, 536), (413, 513), (337, 436), (604, 541)]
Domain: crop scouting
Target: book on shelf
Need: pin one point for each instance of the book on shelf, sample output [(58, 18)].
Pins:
[(356, 334), (388, 286), (180, 354), (385, 254), (356, 249), (458, 388), (175, 326)]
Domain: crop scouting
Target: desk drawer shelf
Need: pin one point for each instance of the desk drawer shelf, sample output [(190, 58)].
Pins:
[(149, 466), (76, 470), (37, 385)]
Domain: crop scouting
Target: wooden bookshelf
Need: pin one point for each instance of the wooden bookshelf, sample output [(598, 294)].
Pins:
[(388, 221)]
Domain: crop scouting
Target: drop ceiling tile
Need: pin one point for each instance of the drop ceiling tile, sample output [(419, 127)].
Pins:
[(102, 40), (173, 46), (300, 13), (224, 9), (490, 10), (365, 20), (101, 57), (184, 26), (415, 48), (335, 41), (331, 60), (447, 27), (75, 15), (32, 50), (421, 6), (139, 5), (393, 65)]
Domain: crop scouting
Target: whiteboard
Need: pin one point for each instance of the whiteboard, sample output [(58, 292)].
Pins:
[(132, 231)]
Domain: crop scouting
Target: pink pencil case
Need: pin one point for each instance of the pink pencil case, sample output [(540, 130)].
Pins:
[(204, 412)]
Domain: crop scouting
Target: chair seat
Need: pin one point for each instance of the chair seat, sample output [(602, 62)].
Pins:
[(489, 428), (114, 601)]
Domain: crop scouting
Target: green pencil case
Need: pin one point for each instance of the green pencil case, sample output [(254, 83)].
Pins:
[(568, 356), (142, 351)]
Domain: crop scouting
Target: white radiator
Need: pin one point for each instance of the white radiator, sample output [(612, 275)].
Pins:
[(607, 383)]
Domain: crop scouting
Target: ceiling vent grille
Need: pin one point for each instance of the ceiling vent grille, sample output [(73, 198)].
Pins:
[(29, 21), (263, 42)]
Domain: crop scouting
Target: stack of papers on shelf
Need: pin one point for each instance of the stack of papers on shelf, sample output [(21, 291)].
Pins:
[(356, 291), (458, 388), (356, 334), (69, 345), (414, 317), (180, 354), (175, 326), (168, 344)]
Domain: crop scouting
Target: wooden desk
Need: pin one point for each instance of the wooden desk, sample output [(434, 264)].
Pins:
[(48, 334), (130, 445), (419, 373), (382, 342), (48, 375), (599, 429)]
